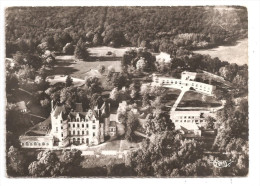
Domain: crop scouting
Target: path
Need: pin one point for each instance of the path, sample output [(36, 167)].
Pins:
[(25, 91), (177, 102), (37, 116)]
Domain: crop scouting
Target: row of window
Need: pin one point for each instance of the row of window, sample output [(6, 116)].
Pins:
[(189, 121), (73, 140), (78, 120), (186, 84), (78, 133), (35, 144), (82, 125)]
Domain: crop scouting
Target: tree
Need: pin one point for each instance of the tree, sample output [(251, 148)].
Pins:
[(47, 164), (15, 162), (101, 69), (68, 49), (69, 81), (210, 121), (163, 154), (131, 125), (81, 51), (114, 94), (70, 162), (93, 85), (158, 122)]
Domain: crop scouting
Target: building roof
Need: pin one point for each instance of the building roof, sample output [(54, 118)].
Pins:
[(40, 129), (112, 124), (36, 138), (59, 109), (21, 105), (79, 107)]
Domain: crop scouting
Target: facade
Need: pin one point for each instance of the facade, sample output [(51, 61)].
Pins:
[(76, 127), (186, 82), (36, 141), (189, 121)]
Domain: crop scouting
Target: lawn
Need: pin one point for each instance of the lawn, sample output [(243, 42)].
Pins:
[(194, 99), (67, 65), (233, 54)]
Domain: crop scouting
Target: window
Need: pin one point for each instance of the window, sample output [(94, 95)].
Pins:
[(94, 134), (61, 128), (87, 140), (77, 125), (184, 120), (82, 125), (26, 143), (82, 132), (87, 126), (189, 117), (47, 144), (43, 143), (60, 121), (176, 120), (93, 121), (78, 133), (35, 144), (69, 125), (77, 119), (201, 120), (87, 132), (78, 139), (61, 134), (73, 125), (94, 126), (56, 129), (82, 140), (69, 132), (22, 144), (30, 144), (73, 132), (184, 117)]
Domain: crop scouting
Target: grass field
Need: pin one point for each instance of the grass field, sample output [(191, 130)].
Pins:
[(66, 65), (233, 54), (190, 99)]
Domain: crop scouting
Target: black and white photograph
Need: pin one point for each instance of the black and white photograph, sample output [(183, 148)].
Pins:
[(126, 92)]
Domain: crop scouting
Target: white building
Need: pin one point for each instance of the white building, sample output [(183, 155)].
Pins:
[(189, 121), (186, 82), (163, 58)]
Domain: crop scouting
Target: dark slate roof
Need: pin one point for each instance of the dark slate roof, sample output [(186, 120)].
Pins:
[(58, 109), (79, 107)]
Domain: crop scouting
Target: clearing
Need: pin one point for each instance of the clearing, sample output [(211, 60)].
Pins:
[(68, 65), (233, 54)]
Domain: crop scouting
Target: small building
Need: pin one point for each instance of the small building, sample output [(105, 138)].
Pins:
[(21, 106), (163, 58)]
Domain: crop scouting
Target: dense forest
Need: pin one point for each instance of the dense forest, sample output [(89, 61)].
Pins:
[(158, 28)]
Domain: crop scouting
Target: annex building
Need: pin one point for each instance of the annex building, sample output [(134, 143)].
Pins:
[(187, 81)]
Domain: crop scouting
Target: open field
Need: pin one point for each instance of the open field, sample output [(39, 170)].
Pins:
[(233, 54), (68, 65), (190, 99)]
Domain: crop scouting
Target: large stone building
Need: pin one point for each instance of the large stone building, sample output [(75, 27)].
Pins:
[(76, 127)]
